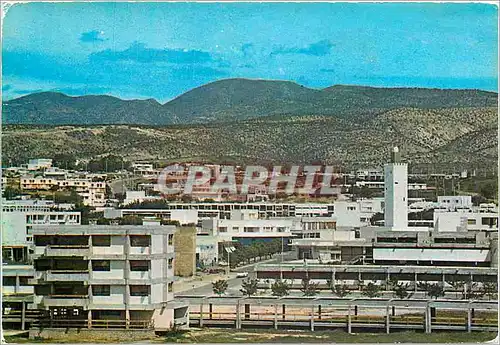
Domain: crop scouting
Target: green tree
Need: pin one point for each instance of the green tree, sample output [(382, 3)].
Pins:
[(67, 198), (84, 211), (64, 161), (130, 220), (11, 192), (219, 287), (432, 290), (280, 288), (340, 290), (457, 286), (490, 289), (489, 190), (249, 287), (309, 288), (400, 290), (371, 290)]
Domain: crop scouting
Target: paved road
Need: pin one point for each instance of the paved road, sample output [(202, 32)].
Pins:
[(234, 284), (120, 186)]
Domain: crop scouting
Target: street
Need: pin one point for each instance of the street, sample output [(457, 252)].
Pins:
[(234, 284)]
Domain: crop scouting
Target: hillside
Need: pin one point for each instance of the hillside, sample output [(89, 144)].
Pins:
[(234, 100), (56, 108), (443, 137)]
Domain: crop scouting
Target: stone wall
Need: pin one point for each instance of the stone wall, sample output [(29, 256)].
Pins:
[(185, 251)]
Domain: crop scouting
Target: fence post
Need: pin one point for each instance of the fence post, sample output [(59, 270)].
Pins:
[(23, 315), (311, 318), (469, 320), (349, 320), (238, 316), (428, 319), (201, 314), (387, 320), (275, 316), (89, 319)]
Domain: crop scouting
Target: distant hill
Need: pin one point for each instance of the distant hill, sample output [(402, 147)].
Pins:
[(56, 108), (455, 137), (234, 100)]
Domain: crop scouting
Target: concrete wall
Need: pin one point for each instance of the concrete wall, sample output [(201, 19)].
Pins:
[(117, 271), (117, 296), (184, 216), (431, 254), (347, 214)]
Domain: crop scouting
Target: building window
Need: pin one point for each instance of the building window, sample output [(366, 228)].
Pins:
[(140, 241), (139, 290), (171, 287), (101, 290), (9, 281), (170, 239), (170, 263), (101, 241), (139, 265), (222, 229), (471, 221), (101, 265)]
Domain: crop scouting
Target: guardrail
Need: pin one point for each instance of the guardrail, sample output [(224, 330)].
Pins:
[(325, 318)]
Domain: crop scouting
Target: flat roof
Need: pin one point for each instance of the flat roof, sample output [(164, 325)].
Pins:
[(298, 267), (104, 230)]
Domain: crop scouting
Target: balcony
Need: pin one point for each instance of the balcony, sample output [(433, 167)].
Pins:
[(66, 276), (67, 250), (65, 301)]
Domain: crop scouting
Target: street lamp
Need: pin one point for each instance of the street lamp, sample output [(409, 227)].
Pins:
[(229, 250)]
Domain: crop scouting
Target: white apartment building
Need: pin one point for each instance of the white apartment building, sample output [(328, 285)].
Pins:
[(137, 196), (455, 203), (121, 276), (40, 163), (246, 225), (93, 193), (465, 220), (20, 216), (145, 169)]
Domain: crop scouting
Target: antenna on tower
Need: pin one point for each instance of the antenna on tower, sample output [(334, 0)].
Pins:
[(395, 155)]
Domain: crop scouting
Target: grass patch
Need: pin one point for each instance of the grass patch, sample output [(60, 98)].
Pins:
[(293, 336)]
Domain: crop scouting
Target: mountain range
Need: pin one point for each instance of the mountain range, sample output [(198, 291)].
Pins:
[(235, 99), (255, 121)]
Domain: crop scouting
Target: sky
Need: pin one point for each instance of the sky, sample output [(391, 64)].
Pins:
[(160, 50)]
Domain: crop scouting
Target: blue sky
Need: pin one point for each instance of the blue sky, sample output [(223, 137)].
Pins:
[(160, 50)]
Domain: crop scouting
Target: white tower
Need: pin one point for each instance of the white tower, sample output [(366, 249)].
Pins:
[(396, 192)]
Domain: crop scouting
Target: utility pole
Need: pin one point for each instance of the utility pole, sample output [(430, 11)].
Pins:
[(281, 261)]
